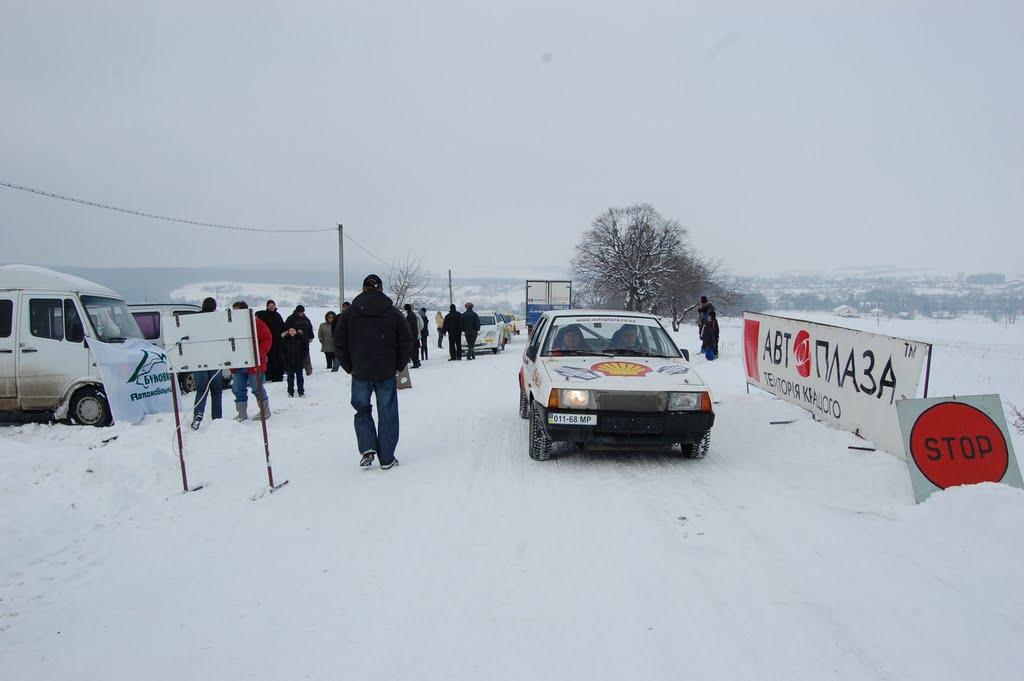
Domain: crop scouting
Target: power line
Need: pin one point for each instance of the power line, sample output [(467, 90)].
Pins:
[(184, 221), (367, 251)]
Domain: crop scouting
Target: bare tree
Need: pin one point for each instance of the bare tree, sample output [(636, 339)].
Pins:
[(407, 279), (628, 253), (692, 276)]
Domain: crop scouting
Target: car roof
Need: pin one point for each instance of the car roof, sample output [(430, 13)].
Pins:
[(30, 277), (599, 313)]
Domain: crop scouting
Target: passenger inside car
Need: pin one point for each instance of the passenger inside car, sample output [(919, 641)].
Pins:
[(569, 341)]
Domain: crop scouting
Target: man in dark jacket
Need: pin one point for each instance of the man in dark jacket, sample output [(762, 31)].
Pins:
[(471, 327), (412, 319), (453, 328), (300, 321), (275, 358), (373, 343)]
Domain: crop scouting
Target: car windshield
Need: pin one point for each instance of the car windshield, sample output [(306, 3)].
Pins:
[(610, 336), (486, 320), (111, 319)]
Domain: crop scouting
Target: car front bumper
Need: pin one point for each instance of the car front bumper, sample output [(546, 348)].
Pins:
[(621, 427)]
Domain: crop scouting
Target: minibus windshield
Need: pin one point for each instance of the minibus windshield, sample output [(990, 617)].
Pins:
[(111, 319)]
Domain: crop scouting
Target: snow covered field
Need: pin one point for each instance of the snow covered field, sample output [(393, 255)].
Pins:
[(783, 555)]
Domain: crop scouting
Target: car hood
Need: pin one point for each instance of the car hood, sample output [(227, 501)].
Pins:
[(623, 373)]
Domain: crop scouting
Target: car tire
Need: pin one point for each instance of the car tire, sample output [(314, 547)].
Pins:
[(89, 407), (495, 351), (524, 404), (540, 443), (697, 450)]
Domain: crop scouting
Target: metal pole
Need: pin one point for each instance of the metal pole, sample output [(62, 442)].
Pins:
[(177, 424), (928, 370), (451, 297), (263, 413), (341, 266)]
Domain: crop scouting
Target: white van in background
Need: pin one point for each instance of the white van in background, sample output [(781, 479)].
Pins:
[(46, 319)]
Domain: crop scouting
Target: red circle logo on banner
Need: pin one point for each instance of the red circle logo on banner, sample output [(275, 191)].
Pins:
[(957, 444), (802, 352)]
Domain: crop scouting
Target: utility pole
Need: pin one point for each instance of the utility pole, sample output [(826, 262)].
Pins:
[(341, 266), (451, 298)]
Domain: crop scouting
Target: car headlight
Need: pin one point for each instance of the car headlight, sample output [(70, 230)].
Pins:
[(574, 399), (684, 401)]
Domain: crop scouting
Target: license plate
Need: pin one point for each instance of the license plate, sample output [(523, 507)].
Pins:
[(572, 419)]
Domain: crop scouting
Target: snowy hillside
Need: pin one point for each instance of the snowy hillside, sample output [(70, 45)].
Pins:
[(499, 294), (783, 555)]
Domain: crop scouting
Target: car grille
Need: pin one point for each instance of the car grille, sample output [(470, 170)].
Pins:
[(630, 401), (631, 425)]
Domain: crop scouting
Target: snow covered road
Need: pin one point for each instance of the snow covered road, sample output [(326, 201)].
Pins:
[(783, 555)]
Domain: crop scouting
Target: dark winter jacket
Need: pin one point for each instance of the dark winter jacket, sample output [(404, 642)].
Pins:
[(412, 319), (274, 322), (295, 348), (372, 339), (470, 321), (302, 324), (453, 322)]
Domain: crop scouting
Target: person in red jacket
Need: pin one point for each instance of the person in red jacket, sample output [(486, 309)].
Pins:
[(253, 377)]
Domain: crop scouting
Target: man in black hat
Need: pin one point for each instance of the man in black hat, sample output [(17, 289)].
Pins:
[(373, 343)]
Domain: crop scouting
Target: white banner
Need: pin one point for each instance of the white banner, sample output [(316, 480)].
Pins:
[(849, 378), (135, 377)]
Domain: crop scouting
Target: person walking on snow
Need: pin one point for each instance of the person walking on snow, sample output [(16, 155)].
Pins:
[(453, 327), (207, 381), (373, 343), (275, 324), (424, 332), (252, 378), (325, 334), (414, 322), (471, 327), (439, 323)]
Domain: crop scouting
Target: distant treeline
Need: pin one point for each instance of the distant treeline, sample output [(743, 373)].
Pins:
[(896, 299)]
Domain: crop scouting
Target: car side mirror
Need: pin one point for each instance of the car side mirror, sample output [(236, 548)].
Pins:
[(531, 353), (686, 354)]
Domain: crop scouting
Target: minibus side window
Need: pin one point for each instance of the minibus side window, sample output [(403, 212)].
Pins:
[(46, 318), (6, 317)]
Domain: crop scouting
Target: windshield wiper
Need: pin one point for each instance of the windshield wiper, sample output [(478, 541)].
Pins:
[(114, 339), (571, 353)]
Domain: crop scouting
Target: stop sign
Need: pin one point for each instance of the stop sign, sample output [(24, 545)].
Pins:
[(957, 444)]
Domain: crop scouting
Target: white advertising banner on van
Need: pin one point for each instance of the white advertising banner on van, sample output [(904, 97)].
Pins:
[(136, 378), (849, 378)]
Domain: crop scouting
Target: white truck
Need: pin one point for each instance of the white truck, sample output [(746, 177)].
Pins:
[(46, 321)]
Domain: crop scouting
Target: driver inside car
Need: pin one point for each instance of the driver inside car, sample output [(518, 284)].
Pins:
[(569, 341), (627, 339)]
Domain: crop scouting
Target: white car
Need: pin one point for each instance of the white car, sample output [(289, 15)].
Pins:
[(492, 332), (611, 378)]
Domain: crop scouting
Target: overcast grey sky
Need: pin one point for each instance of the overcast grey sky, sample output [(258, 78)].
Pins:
[(485, 136)]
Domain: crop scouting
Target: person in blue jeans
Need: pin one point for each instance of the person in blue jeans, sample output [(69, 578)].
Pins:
[(252, 378), (373, 342), (207, 383)]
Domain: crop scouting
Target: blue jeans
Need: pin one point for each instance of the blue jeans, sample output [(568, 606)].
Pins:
[(212, 379), (382, 439), (240, 380)]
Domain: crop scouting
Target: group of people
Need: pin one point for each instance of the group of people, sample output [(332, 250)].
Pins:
[(370, 339), (707, 328)]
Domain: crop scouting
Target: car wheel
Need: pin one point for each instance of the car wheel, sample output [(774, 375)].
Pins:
[(697, 450), (540, 443), (524, 404), (495, 351), (89, 407)]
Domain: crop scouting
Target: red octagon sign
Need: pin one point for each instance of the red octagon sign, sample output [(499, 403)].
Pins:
[(957, 444)]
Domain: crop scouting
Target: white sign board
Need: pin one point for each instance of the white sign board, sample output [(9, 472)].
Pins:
[(211, 340), (952, 441), (135, 376), (851, 379)]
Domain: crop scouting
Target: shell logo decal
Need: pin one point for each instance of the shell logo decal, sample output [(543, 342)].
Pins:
[(622, 368)]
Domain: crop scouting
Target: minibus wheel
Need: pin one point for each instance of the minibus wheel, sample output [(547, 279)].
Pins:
[(89, 407)]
